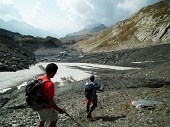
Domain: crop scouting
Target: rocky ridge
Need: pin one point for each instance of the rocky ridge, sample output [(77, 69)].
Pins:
[(13, 57), (16, 50)]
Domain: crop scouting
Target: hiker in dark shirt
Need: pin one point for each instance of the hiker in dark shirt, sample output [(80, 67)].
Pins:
[(93, 97)]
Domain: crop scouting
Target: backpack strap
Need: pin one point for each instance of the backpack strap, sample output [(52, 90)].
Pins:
[(43, 82), (93, 83)]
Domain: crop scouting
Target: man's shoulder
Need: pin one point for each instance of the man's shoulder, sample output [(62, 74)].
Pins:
[(44, 78)]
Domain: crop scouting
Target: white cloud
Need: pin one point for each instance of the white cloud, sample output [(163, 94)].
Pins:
[(36, 17), (8, 11), (37, 8), (73, 6), (5, 1), (79, 11), (132, 5), (90, 5)]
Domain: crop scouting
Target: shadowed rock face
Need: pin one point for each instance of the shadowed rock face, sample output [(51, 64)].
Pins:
[(13, 59), (149, 26), (16, 51)]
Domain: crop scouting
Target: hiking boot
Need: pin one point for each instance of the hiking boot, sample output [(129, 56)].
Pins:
[(89, 115)]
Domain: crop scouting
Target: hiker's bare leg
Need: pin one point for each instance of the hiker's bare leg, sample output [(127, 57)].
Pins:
[(41, 124), (53, 124)]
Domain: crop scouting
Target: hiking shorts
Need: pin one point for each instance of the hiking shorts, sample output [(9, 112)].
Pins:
[(47, 115), (94, 101)]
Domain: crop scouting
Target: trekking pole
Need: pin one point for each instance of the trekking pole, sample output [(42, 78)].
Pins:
[(73, 119)]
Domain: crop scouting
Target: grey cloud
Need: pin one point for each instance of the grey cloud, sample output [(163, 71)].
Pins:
[(107, 12)]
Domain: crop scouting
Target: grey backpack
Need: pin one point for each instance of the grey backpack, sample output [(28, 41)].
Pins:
[(90, 90)]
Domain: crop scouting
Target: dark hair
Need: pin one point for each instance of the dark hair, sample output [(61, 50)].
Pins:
[(52, 67), (92, 78)]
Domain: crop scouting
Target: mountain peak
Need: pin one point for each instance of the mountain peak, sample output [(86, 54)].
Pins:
[(93, 26), (86, 32), (24, 28)]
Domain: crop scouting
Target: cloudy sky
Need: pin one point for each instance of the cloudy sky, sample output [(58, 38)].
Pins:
[(71, 15)]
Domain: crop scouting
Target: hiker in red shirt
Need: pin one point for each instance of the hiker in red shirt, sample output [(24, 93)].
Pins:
[(49, 112)]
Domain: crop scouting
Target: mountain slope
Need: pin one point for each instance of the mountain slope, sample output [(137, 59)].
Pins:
[(28, 42), (86, 32), (24, 28), (16, 50), (149, 26)]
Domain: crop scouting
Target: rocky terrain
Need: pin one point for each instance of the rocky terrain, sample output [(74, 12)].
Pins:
[(14, 59), (144, 48), (151, 82)]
